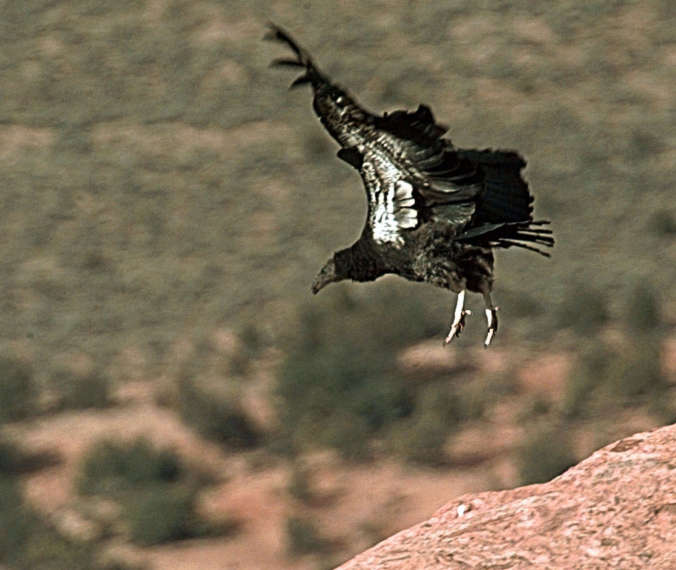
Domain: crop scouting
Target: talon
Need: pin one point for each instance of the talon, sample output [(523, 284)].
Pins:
[(458, 318), (492, 318), (457, 328)]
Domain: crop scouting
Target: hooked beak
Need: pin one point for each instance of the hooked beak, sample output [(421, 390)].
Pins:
[(326, 275)]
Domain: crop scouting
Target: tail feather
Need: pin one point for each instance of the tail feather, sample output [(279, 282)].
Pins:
[(509, 243), (517, 234)]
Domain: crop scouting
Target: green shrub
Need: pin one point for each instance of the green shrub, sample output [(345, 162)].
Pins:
[(81, 392), (641, 313), (111, 466), (636, 372), (587, 376), (303, 537), (299, 485), (534, 408), (28, 543), (46, 549), (340, 395), (343, 390), (14, 519), (15, 461), (473, 397), (421, 438), (339, 385), (215, 417), (583, 309), (10, 457), (545, 454), (604, 380), (348, 434), (162, 514), (663, 223), (115, 564), (17, 390), (156, 493)]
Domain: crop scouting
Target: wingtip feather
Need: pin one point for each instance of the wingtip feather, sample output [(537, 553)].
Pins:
[(286, 62), (302, 80)]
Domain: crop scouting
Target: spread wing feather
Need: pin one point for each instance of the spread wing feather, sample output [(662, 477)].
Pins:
[(446, 177), (480, 190), (506, 197), (422, 179)]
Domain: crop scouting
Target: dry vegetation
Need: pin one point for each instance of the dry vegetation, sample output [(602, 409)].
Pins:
[(166, 203)]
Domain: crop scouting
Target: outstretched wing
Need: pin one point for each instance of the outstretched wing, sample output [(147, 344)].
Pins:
[(413, 175)]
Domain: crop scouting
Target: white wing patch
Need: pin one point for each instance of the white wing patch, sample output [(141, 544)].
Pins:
[(404, 209), (391, 201)]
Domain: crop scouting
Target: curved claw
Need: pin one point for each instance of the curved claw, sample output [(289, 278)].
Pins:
[(492, 318), (457, 327), (459, 315)]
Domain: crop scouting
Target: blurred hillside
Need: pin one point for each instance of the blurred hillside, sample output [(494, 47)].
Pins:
[(166, 203)]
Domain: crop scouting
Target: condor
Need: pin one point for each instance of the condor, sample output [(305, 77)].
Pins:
[(435, 212)]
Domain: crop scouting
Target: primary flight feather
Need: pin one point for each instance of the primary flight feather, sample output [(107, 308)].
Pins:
[(435, 212)]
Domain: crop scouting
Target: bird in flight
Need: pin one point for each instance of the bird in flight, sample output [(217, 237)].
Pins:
[(435, 212)]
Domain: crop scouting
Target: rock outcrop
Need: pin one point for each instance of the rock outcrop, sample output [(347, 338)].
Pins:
[(616, 509)]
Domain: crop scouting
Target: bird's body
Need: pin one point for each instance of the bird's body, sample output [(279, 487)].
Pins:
[(435, 212)]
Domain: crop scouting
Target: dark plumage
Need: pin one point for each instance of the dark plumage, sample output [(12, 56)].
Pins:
[(435, 212)]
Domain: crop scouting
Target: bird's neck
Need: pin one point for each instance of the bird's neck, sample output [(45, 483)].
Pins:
[(358, 263)]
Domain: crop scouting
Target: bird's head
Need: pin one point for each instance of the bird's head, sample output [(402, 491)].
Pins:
[(356, 263), (326, 275), (339, 266)]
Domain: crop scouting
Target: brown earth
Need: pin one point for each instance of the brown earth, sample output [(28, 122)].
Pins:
[(616, 509), (352, 506)]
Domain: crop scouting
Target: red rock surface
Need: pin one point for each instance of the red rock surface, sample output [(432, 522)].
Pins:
[(616, 509)]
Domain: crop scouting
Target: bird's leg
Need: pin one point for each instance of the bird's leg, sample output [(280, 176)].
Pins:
[(492, 318), (458, 318)]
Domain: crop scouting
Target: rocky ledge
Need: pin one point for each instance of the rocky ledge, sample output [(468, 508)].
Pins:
[(616, 509)]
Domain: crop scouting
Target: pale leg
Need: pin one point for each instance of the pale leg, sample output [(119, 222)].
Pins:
[(492, 318), (458, 318)]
